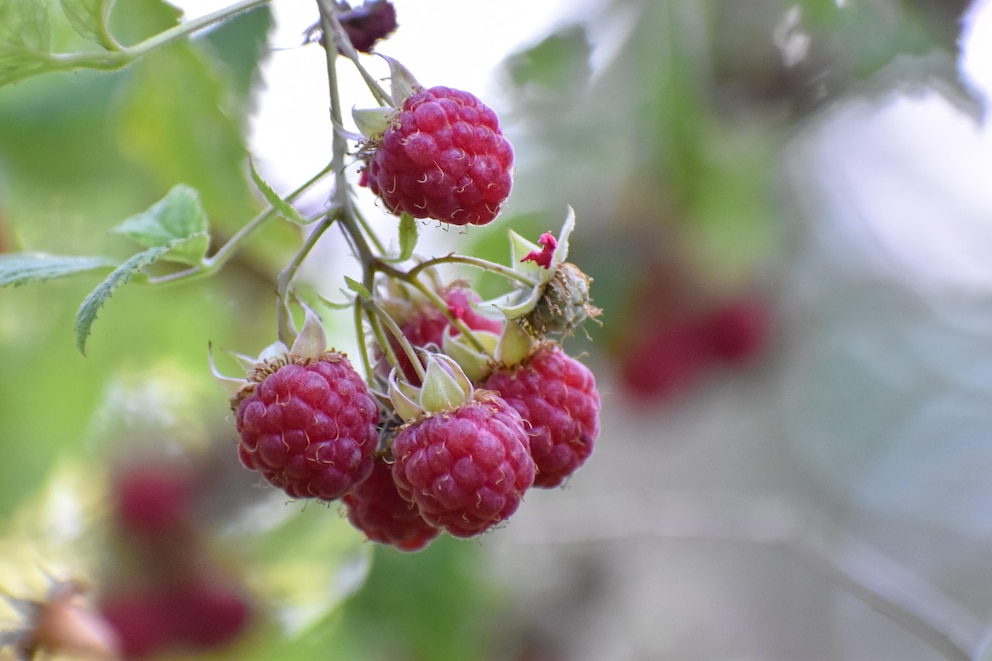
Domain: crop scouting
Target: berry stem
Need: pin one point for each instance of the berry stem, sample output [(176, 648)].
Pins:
[(286, 332), (383, 318), (477, 262), (363, 349), (441, 305), (342, 45)]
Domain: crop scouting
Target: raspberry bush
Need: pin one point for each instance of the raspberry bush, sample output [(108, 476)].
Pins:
[(447, 411)]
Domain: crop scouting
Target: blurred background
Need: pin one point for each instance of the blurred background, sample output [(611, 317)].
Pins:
[(785, 207)]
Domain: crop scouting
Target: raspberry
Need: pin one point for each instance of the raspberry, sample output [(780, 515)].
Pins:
[(556, 395), (198, 613), (207, 614), (737, 331), (309, 427), (443, 156), (376, 508), (368, 23), (153, 499), (465, 469), (666, 363), (141, 621)]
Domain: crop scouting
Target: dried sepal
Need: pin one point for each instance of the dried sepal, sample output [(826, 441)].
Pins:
[(560, 301)]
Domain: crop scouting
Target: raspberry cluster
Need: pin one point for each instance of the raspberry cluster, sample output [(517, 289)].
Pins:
[(446, 445), (465, 405)]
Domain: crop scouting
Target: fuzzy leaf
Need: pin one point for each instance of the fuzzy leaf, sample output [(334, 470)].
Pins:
[(285, 209), (89, 19), (18, 63), (358, 288), (177, 220), (87, 311), (24, 25), (21, 268), (25, 40), (408, 236)]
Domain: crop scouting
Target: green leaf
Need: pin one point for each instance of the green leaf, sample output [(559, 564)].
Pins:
[(89, 19), (25, 40), (87, 311), (25, 24), (408, 236), (16, 64), (555, 70), (358, 288), (21, 268), (177, 220), (285, 209)]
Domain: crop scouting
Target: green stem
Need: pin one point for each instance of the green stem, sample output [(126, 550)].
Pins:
[(336, 41), (441, 305), (286, 332), (119, 58), (351, 221), (215, 262), (477, 262), (382, 317), (363, 348)]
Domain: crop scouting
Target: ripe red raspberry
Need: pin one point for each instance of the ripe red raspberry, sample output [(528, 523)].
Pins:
[(198, 613), (206, 613), (443, 156), (376, 508), (309, 427), (556, 395), (141, 622), (738, 331), (465, 469), (664, 364), (153, 499)]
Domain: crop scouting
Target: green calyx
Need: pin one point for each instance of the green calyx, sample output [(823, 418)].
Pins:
[(445, 388)]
